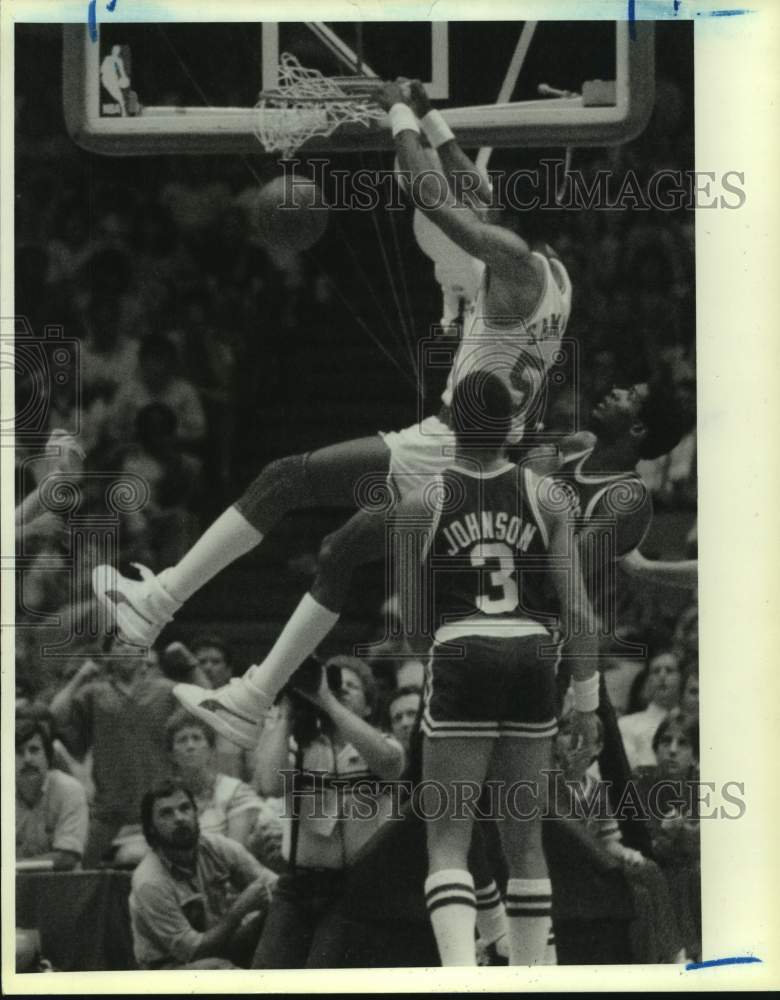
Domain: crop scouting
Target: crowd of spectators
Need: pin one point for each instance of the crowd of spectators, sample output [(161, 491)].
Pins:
[(135, 753)]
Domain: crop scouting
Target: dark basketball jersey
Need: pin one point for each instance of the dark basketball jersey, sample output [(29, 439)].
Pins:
[(487, 559), (619, 501)]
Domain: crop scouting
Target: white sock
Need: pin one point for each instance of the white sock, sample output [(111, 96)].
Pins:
[(491, 916), (229, 537), (305, 630), (528, 912), (550, 953), (449, 896)]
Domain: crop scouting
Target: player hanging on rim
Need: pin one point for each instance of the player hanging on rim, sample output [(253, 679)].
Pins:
[(490, 545), (523, 293)]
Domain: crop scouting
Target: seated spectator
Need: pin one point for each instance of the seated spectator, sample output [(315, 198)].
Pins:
[(120, 713), (670, 792), (402, 710), (214, 657), (156, 381), (38, 710), (638, 728), (330, 750), (225, 804), (215, 660), (592, 793), (51, 807), (676, 746), (686, 633), (197, 899)]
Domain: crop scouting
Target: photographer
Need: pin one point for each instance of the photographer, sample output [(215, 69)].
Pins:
[(331, 748)]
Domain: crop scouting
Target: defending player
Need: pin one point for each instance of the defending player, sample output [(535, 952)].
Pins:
[(490, 545), (522, 311), (597, 469)]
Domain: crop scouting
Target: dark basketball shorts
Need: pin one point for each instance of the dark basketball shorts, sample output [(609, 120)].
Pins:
[(499, 687)]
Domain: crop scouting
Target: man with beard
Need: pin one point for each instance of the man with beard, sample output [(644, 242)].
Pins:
[(197, 899), (51, 807)]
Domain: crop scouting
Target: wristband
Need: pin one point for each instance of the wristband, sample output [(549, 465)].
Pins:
[(436, 129), (586, 694), (402, 118)]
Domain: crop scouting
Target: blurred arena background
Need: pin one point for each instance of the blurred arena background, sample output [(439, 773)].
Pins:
[(268, 354)]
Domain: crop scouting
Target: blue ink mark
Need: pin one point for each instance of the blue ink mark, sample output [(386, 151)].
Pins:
[(657, 10), (92, 20), (713, 963), (92, 16)]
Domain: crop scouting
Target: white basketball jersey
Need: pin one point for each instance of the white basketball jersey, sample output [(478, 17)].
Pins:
[(459, 274), (459, 285), (520, 351)]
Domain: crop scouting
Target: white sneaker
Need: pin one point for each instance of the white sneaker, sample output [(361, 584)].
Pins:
[(234, 710), (140, 608)]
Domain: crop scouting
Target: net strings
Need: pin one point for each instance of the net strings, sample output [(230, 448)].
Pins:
[(395, 326)]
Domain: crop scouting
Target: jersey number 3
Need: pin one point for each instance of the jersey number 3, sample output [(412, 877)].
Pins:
[(498, 592)]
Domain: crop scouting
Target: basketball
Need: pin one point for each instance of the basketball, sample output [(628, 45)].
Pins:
[(290, 214)]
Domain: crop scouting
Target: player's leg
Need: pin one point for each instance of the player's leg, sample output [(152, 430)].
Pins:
[(452, 764), (234, 709), (484, 862), (412, 455), (461, 703), (517, 761), (327, 477)]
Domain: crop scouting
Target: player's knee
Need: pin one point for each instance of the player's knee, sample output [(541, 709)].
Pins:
[(356, 542), (334, 557), (281, 486), (327, 557)]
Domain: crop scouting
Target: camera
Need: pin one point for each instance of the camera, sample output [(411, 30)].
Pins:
[(307, 718), (308, 677)]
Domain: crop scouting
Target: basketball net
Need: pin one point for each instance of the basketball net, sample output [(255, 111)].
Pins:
[(306, 104)]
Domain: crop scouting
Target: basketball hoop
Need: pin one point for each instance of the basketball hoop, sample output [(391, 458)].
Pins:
[(306, 104)]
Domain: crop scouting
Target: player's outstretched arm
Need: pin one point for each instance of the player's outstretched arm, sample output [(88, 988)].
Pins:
[(499, 248), (467, 182), (578, 622), (682, 573)]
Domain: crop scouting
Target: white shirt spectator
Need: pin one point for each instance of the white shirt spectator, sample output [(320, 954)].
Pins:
[(330, 830), (638, 730), (57, 821)]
